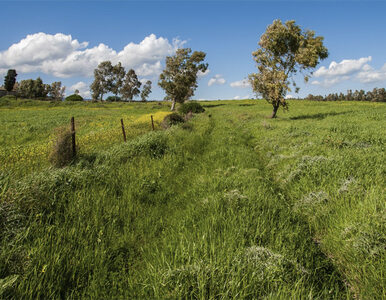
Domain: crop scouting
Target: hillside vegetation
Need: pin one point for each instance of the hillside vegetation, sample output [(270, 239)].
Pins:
[(229, 205)]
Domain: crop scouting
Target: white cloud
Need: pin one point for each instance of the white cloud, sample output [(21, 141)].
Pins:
[(241, 84), (62, 56), (289, 96), (242, 97), (83, 89), (217, 79), (344, 68), (349, 69), (369, 75), (203, 74)]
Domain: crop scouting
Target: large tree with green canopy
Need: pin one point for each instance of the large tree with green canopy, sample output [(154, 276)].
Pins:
[(284, 51), (179, 78)]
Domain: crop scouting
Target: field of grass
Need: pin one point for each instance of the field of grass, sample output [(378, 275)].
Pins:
[(232, 205), (28, 128)]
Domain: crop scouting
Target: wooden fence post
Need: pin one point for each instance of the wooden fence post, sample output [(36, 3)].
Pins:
[(73, 136), (152, 122), (123, 131)]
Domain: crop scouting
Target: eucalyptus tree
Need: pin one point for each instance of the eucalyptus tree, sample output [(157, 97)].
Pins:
[(103, 80), (131, 85), (117, 75), (284, 51), (146, 90), (179, 78)]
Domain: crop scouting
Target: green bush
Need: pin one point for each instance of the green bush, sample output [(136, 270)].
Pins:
[(191, 106), (74, 97), (113, 98), (172, 119)]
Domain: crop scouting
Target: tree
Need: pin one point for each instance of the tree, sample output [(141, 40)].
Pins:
[(179, 78), (26, 88), (118, 73), (284, 50), (56, 91), (146, 90), (10, 80), (103, 80), (131, 86)]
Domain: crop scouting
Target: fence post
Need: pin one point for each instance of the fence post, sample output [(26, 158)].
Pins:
[(152, 122), (73, 136), (123, 131)]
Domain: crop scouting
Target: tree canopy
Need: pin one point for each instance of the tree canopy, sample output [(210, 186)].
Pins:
[(131, 85), (10, 80), (284, 50), (146, 90), (179, 78)]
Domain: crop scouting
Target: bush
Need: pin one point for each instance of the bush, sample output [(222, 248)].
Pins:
[(113, 98), (172, 119), (61, 154), (191, 106), (74, 97)]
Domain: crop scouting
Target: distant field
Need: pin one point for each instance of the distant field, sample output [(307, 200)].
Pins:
[(231, 206)]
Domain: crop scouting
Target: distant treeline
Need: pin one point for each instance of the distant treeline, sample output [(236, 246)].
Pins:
[(376, 95)]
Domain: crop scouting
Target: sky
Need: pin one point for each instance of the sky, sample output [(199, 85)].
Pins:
[(65, 40)]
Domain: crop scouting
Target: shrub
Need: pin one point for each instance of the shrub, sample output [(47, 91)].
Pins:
[(61, 154), (113, 98), (172, 119), (191, 106), (74, 97)]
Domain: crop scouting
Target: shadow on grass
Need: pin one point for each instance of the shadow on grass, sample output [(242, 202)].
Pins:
[(319, 116), (214, 105), (246, 104)]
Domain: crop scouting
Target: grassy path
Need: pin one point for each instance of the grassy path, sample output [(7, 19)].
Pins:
[(202, 211)]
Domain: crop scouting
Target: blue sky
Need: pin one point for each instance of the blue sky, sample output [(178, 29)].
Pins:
[(61, 40)]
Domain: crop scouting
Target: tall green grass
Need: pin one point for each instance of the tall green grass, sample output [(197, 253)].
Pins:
[(234, 206)]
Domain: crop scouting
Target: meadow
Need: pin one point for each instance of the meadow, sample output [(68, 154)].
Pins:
[(231, 205)]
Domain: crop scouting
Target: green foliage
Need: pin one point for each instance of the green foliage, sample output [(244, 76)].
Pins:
[(191, 106), (10, 80), (284, 50), (172, 119), (131, 85), (146, 90), (74, 97), (113, 99), (35, 89), (179, 78)]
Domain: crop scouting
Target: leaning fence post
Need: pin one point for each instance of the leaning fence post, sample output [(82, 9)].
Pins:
[(123, 131), (73, 136), (152, 122)]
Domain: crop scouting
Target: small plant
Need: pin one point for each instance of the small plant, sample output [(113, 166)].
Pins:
[(61, 154), (74, 97), (172, 119), (191, 106)]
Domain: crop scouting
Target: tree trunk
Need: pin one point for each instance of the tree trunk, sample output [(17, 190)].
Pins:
[(275, 109), (173, 105)]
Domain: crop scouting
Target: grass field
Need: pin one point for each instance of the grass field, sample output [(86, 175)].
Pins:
[(234, 205)]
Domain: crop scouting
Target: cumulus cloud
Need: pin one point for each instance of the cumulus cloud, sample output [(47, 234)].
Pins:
[(217, 79), (62, 56), (83, 89), (241, 84), (370, 75), (344, 68), (349, 69)]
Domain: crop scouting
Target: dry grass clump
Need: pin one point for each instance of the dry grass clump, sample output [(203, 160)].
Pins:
[(61, 153)]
